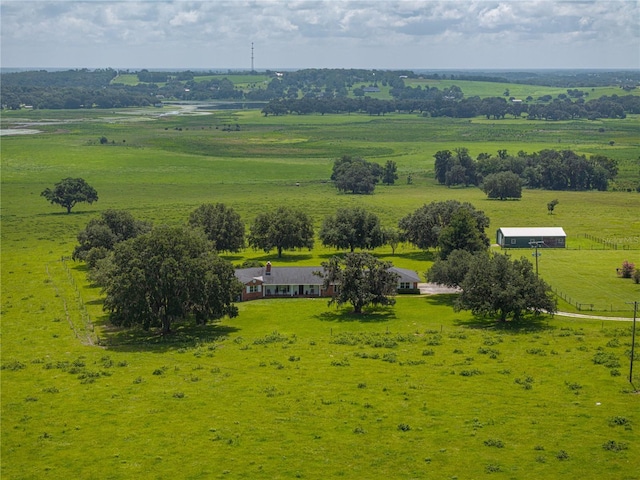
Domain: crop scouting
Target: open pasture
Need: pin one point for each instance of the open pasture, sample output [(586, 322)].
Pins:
[(295, 388)]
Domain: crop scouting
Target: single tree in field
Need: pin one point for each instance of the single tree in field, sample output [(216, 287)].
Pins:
[(360, 279), (166, 275), (352, 228), (552, 205), (390, 173), (102, 234), (285, 228), (356, 175), (69, 191), (222, 225)]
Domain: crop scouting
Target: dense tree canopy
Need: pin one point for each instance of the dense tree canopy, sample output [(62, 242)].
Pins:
[(502, 185), (70, 191), (351, 228), (423, 227), (494, 285), (285, 228), (361, 280), (222, 225), (547, 169), (462, 233), (356, 175), (102, 234), (168, 274)]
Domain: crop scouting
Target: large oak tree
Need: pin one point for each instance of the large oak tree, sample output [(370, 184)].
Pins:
[(360, 279), (284, 228), (70, 191), (352, 228), (169, 274), (222, 225)]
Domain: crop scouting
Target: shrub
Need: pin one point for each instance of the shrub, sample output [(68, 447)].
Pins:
[(404, 427), (607, 359), (13, 365), (494, 442), (614, 446), (562, 455), (618, 421), (627, 269)]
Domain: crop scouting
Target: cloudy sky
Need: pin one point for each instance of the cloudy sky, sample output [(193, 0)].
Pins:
[(385, 34)]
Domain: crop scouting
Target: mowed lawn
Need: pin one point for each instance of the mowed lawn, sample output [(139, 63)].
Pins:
[(296, 388)]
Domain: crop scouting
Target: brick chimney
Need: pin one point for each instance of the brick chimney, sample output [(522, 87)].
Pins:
[(267, 270)]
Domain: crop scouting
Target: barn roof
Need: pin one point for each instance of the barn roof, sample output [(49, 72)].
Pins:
[(532, 232)]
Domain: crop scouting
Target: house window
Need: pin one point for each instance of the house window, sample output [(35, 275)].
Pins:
[(513, 241), (404, 285), (254, 288)]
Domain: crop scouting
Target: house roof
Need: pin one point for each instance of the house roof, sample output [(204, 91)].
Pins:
[(532, 232), (302, 275), (281, 275), (406, 275)]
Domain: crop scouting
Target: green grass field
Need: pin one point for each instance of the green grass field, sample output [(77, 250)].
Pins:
[(295, 388)]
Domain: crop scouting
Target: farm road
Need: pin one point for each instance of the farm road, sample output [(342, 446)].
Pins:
[(594, 317), (435, 289)]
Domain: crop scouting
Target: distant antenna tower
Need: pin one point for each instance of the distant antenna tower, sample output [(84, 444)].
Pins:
[(252, 70)]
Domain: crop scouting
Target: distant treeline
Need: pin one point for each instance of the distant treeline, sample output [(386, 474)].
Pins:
[(322, 91), (439, 104)]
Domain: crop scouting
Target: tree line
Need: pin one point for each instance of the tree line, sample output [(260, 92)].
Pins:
[(310, 91), (440, 103), (503, 175)]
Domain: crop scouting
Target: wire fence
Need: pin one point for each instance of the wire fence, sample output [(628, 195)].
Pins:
[(613, 243), (84, 329), (593, 307)]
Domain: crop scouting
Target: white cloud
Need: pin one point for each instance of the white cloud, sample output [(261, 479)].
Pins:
[(387, 33)]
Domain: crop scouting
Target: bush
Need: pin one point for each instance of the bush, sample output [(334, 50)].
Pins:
[(614, 446), (627, 269), (494, 442)]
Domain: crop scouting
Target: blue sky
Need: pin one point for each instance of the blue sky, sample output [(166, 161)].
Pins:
[(385, 34)]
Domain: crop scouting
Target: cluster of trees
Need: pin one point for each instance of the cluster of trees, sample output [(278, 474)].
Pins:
[(494, 285), (358, 176), (503, 175), (155, 276), (14, 98), (168, 274), (448, 225)]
